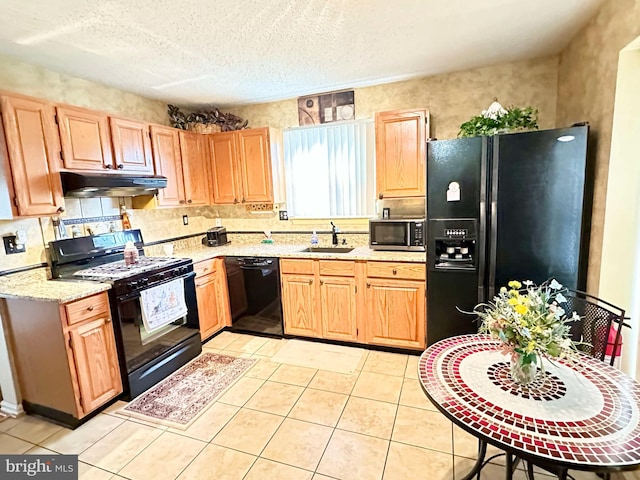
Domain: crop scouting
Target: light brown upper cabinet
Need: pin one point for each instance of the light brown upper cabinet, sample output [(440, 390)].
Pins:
[(131, 146), (401, 137), (243, 169), (195, 168), (168, 163), (85, 139), (32, 154)]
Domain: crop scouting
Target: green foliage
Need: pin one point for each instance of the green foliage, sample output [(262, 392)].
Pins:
[(516, 119)]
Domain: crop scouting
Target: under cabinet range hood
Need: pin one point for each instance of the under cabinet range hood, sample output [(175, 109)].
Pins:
[(83, 185)]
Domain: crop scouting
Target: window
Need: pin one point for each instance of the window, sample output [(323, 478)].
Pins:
[(329, 170)]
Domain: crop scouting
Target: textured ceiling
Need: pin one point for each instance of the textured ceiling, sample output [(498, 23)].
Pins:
[(247, 51)]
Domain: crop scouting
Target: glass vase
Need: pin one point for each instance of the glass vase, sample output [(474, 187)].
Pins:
[(523, 373)]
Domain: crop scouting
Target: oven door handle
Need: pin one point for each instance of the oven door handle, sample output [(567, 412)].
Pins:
[(136, 293)]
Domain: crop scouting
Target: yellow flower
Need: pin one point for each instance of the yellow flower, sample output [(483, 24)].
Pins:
[(512, 301), (531, 346), (515, 284), (521, 309)]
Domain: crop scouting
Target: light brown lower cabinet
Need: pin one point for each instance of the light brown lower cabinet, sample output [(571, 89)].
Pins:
[(212, 296), (380, 303), (65, 356)]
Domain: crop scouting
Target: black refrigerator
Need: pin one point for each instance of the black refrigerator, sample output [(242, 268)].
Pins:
[(507, 207)]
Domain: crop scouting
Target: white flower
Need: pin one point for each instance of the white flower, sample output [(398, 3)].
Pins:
[(560, 298), (527, 283), (555, 285)]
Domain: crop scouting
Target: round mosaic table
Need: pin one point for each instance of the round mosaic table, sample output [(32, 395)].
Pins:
[(584, 417)]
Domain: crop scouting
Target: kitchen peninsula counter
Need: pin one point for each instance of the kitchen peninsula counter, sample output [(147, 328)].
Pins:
[(34, 285), (200, 253)]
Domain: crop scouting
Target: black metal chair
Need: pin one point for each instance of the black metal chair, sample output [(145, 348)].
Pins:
[(600, 331)]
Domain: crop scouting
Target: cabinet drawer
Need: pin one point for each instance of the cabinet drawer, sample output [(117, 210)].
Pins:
[(204, 267), (340, 268), (410, 271), (87, 308), (299, 266)]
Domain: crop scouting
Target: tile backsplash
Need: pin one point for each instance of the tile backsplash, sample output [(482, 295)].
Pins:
[(96, 214)]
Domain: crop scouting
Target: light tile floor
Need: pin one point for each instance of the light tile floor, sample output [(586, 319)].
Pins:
[(279, 422)]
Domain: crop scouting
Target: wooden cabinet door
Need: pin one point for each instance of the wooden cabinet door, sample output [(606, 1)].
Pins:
[(396, 313), (338, 308), (85, 139), (224, 177), (33, 148), (401, 153), (96, 363), (255, 165), (195, 168), (298, 305), (131, 146), (207, 299), (222, 292), (167, 160)]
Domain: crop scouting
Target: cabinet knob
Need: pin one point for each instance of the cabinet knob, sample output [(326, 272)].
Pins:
[(242, 199), (120, 166), (108, 167), (380, 196), (321, 282), (368, 285), (235, 200), (90, 308), (310, 282), (108, 319), (60, 209), (189, 201), (394, 271), (181, 202)]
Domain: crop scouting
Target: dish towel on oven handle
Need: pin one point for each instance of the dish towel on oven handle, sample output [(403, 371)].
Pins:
[(163, 304)]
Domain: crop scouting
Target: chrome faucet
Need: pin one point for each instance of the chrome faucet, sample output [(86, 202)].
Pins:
[(334, 235)]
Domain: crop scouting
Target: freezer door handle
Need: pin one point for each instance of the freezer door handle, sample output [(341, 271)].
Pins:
[(493, 220)]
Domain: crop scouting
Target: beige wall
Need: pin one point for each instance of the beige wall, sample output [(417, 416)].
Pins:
[(27, 79), (586, 92), (451, 98)]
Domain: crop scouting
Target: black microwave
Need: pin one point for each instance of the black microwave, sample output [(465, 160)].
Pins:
[(397, 234)]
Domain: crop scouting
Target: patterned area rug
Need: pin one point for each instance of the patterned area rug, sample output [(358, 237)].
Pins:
[(179, 399)]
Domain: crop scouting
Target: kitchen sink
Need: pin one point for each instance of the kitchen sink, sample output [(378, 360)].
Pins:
[(328, 249)]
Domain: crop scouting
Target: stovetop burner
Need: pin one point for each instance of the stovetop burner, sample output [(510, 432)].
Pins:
[(118, 270)]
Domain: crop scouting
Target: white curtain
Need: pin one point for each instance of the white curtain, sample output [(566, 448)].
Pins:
[(330, 170)]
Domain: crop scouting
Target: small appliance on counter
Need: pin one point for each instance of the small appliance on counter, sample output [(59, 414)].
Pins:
[(397, 234), (216, 237)]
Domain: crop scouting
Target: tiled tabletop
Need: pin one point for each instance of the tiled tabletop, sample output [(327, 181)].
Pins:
[(585, 415)]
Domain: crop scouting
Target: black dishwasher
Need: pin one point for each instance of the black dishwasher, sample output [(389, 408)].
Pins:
[(254, 295)]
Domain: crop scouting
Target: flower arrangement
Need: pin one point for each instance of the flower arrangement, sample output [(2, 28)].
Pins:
[(497, 119), (531, 324)]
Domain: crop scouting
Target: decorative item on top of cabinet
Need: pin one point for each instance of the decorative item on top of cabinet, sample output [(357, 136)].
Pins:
[(247, 166), (212, 296), (85, 139), (131, 145), (65, 356), (396, 304), (30, 149), (401, 137)]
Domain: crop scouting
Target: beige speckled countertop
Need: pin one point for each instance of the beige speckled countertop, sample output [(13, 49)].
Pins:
[(295, 251), (33, 285)]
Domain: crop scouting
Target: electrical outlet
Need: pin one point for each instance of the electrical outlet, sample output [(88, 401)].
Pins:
[(284, 215), (12, 246), (185, 219)]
